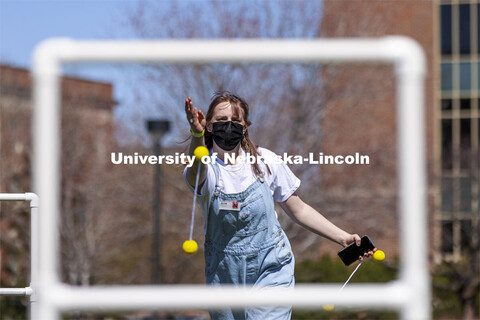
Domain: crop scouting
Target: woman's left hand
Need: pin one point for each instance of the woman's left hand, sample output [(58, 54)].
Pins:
[(356, 238)]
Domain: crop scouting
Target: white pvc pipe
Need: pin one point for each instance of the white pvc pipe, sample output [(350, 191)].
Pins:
[(409, 61), (200, 296), (402, 51), (412, 181), (16, 291), (34, 250), (46, 165), (13, 197)]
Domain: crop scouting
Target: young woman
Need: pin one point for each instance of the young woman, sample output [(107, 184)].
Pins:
[(244, 242)]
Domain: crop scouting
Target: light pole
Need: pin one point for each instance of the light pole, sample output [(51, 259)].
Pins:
[(156, 129)]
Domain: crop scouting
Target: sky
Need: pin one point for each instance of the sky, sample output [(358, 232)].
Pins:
[(24, 24)]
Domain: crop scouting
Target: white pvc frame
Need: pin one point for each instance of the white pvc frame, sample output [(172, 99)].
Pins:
[(32, 198), (409, 294)]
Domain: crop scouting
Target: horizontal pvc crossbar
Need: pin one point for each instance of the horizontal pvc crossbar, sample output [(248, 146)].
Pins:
[(31, 197), (27, 291), (200, 296), (403, 53)]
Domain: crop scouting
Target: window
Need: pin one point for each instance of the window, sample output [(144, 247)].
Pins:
[(459, 211), (446, 29)]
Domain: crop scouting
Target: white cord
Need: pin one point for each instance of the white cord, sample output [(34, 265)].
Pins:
[(351, 276), (331, 306), (194, 201)]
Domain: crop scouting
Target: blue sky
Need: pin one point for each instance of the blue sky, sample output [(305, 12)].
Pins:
[(24, 24)]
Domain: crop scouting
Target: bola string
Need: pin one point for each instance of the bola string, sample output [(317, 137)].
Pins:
[(190, 246), (194, 200), (350, 276), (330, 307), (378, 255)]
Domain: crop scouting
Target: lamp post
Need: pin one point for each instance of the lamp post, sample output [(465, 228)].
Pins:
[(156, 129)]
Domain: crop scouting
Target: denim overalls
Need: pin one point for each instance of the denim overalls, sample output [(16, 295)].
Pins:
[(247, 246)]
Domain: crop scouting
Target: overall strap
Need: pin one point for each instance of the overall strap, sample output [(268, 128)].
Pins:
[(217, 179)]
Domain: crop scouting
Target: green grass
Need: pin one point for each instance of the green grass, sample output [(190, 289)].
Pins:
[(328, 270)]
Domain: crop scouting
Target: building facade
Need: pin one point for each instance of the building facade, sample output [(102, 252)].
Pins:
[(87, 138), (459, 121), (360, 116)]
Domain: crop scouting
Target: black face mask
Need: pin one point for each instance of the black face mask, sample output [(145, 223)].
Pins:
[(227, 134)]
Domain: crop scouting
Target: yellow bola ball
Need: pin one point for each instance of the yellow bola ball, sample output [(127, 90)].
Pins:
[(190, 246), (201, 152), (379, 255), (328, 307)]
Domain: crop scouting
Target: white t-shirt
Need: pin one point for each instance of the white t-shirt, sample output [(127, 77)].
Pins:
[(237, 178)]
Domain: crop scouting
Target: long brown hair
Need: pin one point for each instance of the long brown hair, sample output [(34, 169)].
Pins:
[(237, 103)]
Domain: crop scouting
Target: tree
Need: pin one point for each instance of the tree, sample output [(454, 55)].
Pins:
[(285, 98)]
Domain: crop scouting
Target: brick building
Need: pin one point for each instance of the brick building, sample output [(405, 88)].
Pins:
[(92, 101), (360, 116), (87, 134)]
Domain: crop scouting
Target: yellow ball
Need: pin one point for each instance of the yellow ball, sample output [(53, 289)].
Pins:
[(190, 246), (328, 307), (201, 152), (379, 255)]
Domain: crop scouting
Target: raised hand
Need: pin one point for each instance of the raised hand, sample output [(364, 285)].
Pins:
[(195, 117)]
